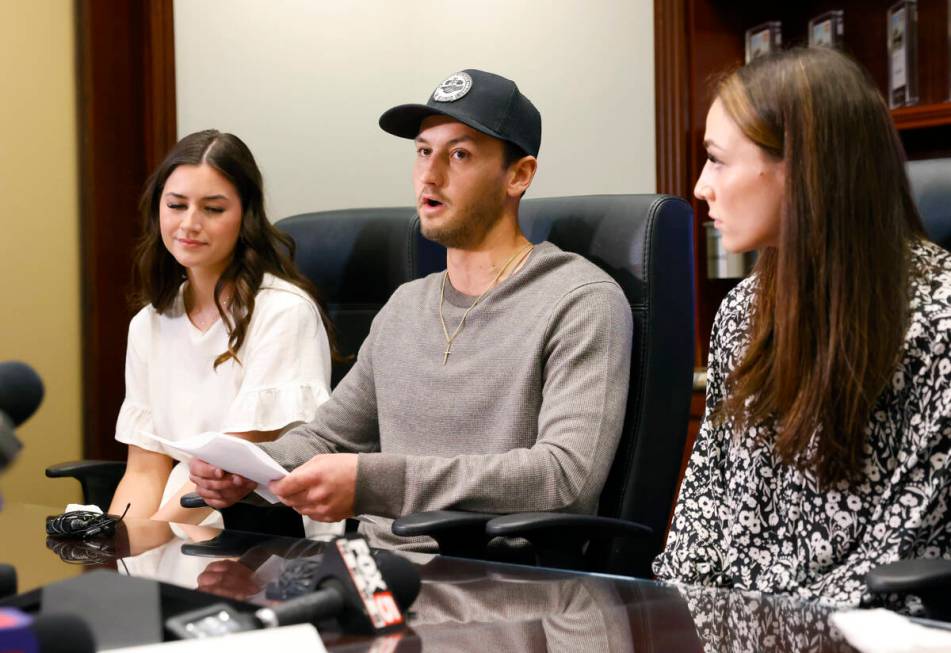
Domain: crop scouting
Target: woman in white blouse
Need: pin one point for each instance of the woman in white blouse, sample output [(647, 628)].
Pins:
[(231, 337)]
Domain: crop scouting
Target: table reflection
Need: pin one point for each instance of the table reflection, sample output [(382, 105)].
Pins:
[(511, 608), (469, 605), (730, 620), (230, 564)]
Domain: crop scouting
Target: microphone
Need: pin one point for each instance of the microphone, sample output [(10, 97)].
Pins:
[(53, 633), (10, 445), (368, 596), (8, 580), (365, 593), (21, 391)]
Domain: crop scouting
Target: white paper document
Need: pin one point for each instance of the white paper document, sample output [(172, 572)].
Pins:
[(232, 454), (883, 631), (302, 637)]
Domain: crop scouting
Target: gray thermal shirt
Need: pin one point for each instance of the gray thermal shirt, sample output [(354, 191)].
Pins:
[(525, 415)]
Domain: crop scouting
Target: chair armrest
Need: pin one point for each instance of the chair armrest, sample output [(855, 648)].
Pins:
[(98, 478), (525, 524), (253, 514), (910, 576), (192, 500), (459, 533), (85, 468), (929, 579), (559, 538), (227, 544)]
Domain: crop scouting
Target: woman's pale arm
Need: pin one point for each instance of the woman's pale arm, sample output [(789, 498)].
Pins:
[(172, 510), (142, 484), (259, 436)]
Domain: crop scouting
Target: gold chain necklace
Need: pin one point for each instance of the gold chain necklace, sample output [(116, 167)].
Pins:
[(203, 320), (442, 298)]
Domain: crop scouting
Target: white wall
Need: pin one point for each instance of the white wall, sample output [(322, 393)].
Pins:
[(304, 82)]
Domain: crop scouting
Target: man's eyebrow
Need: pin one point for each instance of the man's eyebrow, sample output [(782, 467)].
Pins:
[(454, 141)]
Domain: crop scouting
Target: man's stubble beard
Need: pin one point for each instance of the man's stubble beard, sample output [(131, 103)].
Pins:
[(468, 228)]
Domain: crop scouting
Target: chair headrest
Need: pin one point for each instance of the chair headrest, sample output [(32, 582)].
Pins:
[(931, 188), (360, 256), (612, 231)]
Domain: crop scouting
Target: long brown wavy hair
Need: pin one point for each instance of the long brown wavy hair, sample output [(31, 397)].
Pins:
[(831, 300), (260, 248)]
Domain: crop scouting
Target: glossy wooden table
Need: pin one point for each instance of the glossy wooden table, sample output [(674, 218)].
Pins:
[(463, 605)]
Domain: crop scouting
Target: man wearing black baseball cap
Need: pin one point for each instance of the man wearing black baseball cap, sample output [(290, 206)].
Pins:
[(496, 386), (488, 103)]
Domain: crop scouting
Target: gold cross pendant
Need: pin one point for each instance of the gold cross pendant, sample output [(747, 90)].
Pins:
[(445, 357)]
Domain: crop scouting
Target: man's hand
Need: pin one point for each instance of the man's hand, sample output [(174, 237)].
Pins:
[(323, 488), (217, 487), (230, 579)]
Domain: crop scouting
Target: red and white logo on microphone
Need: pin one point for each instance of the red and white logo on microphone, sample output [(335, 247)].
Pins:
[(377, 598)]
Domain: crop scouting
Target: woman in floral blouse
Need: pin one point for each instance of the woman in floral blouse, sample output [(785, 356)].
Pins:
[(824, 449)]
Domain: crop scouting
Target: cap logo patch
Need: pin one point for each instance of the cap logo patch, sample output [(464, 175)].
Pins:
[(455, 87)]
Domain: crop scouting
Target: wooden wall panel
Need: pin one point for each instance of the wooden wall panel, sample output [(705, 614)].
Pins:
[(697, 40)]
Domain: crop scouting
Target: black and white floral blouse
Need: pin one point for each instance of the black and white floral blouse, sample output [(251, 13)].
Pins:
[(747, 521)]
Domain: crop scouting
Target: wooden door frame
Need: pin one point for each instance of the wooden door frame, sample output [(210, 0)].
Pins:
[(126, 117)]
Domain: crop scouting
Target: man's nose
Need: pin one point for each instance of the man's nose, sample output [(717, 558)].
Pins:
[(432, 171)]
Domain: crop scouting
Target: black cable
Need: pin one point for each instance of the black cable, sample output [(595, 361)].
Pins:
[(83, 524), (82, 552)]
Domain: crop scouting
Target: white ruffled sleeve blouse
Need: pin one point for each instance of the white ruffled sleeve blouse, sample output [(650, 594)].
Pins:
[(174, 391)]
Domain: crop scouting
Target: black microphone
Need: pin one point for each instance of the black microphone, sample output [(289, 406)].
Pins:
[(47, 633), (8, 580), (10, 445), (21, 391), (368, 600), (366, 593)]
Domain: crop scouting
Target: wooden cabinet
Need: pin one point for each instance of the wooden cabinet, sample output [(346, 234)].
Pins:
[(697, 39)]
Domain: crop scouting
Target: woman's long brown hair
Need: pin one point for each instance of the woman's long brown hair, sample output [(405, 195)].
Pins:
[(260, 248), (830, 308)]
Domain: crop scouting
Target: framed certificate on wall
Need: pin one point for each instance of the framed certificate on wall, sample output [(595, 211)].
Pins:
[(827, 30), (763, 39), (902, 35)]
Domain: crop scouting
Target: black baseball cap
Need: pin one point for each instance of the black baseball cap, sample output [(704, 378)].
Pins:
[(486, 102)]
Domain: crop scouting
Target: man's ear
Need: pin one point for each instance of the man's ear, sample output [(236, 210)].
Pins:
[(520, 175)]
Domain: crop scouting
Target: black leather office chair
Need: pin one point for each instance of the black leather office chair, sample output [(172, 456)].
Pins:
[(931, 188), (928, 579), (357, 258), (645, 243), (98, 478)]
